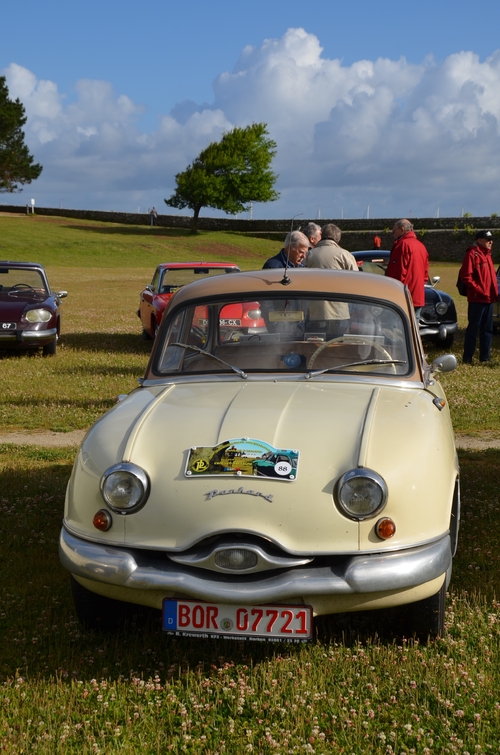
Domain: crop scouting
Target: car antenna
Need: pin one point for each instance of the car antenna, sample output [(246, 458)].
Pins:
[(285, 281)]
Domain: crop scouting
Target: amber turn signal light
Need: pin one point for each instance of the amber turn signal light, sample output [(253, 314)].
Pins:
[(102, 520), (385, 528)]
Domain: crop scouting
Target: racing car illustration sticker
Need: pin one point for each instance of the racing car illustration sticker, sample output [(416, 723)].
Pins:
[(243, 457)]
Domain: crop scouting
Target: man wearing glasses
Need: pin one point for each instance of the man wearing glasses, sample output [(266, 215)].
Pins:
[(478, 274)]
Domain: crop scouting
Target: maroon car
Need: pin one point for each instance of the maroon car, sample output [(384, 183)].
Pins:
[(30, 315), (168, 278)]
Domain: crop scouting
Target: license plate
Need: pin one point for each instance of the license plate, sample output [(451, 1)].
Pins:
[(7, 325), (193, 618), (230, 323)]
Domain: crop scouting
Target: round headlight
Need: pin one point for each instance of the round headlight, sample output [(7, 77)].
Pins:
[(441, 307), (125, 487), (38, 315), (361, 493)]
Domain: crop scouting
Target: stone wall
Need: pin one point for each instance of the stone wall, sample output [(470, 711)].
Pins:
[(445, 238)]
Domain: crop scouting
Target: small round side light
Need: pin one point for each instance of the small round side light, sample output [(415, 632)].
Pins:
[(102, 520), (385, 528)]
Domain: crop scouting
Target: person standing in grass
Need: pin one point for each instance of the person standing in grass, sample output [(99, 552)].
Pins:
[(409, 263), (478, 274)]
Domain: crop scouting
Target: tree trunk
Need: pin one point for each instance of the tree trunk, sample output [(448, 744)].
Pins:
[(194, 219)]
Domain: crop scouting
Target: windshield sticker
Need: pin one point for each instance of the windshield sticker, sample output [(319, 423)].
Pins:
[(243, 457)]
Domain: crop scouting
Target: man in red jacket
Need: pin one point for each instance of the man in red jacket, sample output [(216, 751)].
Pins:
[(478, 274), (409, 262)]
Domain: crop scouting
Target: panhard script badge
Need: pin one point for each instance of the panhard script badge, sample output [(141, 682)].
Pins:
[(246, 457)]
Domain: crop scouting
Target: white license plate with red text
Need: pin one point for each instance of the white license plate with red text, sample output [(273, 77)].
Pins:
[(272, 622)]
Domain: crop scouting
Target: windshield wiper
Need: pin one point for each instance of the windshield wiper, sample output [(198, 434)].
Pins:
[(217, 359), (354, 364)]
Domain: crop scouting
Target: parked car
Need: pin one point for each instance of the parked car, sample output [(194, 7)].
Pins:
[(438, 319), (30, 316), (168, 278), (358, 507)]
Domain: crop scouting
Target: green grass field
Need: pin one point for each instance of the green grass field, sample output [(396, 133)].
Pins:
[(353, 690)]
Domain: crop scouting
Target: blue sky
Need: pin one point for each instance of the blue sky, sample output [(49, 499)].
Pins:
[(392, 106)]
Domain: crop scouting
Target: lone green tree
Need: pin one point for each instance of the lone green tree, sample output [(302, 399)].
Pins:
[(16, 163), (229, 174)]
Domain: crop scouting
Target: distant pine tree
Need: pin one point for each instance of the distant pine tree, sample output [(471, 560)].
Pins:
[(16, 163)]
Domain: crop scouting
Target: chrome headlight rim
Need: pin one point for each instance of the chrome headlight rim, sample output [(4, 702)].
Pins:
[(138, 477), (40, 314), (373, 480)]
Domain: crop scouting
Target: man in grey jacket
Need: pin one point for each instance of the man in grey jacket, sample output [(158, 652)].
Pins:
[(328, 255)]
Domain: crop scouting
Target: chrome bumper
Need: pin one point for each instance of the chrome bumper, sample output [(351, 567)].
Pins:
[(135, 569), (27, 336), (441, 331)]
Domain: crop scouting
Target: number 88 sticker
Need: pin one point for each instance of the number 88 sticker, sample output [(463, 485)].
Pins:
[(282, 468)]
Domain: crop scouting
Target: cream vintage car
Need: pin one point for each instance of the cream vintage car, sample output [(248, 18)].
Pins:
[(256, 481)]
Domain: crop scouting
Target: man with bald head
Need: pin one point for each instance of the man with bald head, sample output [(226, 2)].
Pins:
[(409, 262)]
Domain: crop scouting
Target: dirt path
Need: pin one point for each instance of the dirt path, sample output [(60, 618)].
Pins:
[(55, 440), (51, 440)]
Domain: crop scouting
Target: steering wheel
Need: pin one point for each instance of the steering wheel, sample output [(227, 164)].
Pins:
[(345, 339), (21, 285)]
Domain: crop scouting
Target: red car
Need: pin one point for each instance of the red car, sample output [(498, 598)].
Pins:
[(30, 316), (170, 276)]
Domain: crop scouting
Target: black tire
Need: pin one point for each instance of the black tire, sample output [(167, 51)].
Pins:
[(445, 343), (424, 620), (95, 611), (146, 336), (49, 350)]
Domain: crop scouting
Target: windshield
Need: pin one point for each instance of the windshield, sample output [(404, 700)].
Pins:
[(170, 279), (285, 335), (17, 280)]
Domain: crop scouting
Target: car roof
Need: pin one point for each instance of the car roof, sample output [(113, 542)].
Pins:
[(20, 265), (314, 281), (187, 265)]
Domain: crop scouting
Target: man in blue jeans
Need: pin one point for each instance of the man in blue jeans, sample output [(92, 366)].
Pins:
[(478, 273)]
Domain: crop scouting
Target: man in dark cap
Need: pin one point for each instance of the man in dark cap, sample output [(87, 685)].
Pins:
[(478, 274)]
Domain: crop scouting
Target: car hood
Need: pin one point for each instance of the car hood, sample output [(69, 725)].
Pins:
[(334, 426), (12, 307)]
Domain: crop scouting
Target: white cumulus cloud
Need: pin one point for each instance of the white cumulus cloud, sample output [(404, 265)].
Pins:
[(391, 134)]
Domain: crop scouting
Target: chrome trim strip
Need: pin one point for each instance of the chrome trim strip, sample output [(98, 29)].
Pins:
[(394, 382), (205, 558), (357, 574)]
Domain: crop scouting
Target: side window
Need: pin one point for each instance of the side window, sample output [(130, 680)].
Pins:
[(156, 279)]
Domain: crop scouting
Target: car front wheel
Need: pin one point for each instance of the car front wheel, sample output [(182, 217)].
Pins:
[(425, 619), (446, 343), (95, 611), (49, 349)]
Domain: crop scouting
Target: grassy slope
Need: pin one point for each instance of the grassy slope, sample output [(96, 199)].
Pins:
[(104, 267)]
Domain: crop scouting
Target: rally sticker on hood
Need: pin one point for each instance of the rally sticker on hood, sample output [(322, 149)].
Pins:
[(243, 456)]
